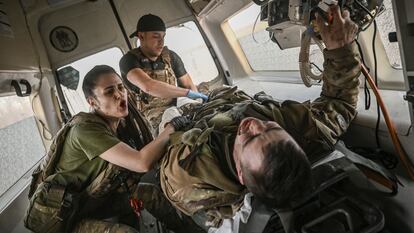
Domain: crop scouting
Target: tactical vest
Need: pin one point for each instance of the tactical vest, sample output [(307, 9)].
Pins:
[(153, 107), (53, 207)]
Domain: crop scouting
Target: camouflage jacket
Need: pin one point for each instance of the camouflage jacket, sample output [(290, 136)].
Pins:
[(197, 172)]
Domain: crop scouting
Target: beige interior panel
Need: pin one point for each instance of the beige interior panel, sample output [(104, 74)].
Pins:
[(170, 11), (17, 53), (94, 24)]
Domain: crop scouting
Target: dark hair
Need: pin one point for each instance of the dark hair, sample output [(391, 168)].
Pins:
[(285, 175), (89, 82)]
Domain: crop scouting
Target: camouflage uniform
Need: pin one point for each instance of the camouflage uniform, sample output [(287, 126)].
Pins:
[(118, 205), (198, 171), (153, 107), (91, 226), (96, 188)]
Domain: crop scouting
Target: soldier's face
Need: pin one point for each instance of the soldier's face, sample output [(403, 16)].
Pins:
[(110, 98), (152, 42), (253, 136)]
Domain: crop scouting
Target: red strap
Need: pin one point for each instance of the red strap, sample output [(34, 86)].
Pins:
[(136, 205)]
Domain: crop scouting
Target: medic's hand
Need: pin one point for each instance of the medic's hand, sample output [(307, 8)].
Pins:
[(195, 95), (340, 32), (181, 123)]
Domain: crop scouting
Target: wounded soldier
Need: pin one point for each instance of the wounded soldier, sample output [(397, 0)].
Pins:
[(240, 144)]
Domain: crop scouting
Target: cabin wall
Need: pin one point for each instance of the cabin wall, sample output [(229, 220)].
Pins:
[(97, 29), (94, 25), (18, 52)]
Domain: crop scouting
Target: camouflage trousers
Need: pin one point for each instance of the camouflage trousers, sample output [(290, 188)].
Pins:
[(99, 226), (154, 202)]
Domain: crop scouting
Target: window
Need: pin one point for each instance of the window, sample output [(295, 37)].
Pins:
[(186, 40), (75, 98), (21, 144), (261, 53), (386, 24)]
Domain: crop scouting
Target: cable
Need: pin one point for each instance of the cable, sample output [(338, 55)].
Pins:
[(376, 84), (390, 125), (387, 160), (305, 67), (367, 93), (44, 128), (364, 8), (317, 67), (254, 27), (369, 13)]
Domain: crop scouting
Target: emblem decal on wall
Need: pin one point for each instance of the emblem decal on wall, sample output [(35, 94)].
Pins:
[(64, 39)]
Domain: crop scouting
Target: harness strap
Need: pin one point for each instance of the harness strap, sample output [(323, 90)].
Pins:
[(372, 170), (380, 179), (137, 205)]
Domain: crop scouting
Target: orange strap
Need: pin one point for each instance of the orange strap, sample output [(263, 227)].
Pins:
[(380, 179), (390, 125)]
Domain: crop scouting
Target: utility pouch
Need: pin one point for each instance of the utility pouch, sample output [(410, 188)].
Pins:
[(51, 209)]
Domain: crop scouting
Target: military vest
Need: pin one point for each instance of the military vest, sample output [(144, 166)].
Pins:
[(153, 107), (53, 207)]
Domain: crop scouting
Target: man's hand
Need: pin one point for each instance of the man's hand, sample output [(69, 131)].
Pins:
[(340, 32), (195, 95)]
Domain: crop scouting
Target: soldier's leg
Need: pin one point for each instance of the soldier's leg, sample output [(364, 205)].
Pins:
[(116, 206), (155, 203), (99, 226)]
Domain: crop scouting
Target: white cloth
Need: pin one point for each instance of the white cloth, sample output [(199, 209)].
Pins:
[(168, 114), (233, 224), (172, 112)]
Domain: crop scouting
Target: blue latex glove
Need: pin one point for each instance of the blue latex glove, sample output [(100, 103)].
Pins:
[(195, 95)]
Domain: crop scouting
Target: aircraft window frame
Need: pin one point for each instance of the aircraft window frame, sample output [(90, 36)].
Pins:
[(189, 62), (255, 46), (80, 98), (386, 23), (253, 52)]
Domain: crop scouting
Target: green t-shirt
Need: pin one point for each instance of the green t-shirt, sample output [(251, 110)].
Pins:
[(80, 163)]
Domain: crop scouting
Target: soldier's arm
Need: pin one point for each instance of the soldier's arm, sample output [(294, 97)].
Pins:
[(138, 161), (131, 71), (187, 82), (337, 105), (153, 87), (342, 59)]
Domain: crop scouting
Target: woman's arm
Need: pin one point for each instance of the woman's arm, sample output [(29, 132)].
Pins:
[(139, 161)]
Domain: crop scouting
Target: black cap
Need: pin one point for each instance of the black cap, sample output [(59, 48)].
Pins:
[(149, 23)]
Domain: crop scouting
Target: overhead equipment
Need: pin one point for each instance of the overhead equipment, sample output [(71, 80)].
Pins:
[(289, 18)]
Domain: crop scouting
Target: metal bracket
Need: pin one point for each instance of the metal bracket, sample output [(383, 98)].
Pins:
[(409, 97)]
